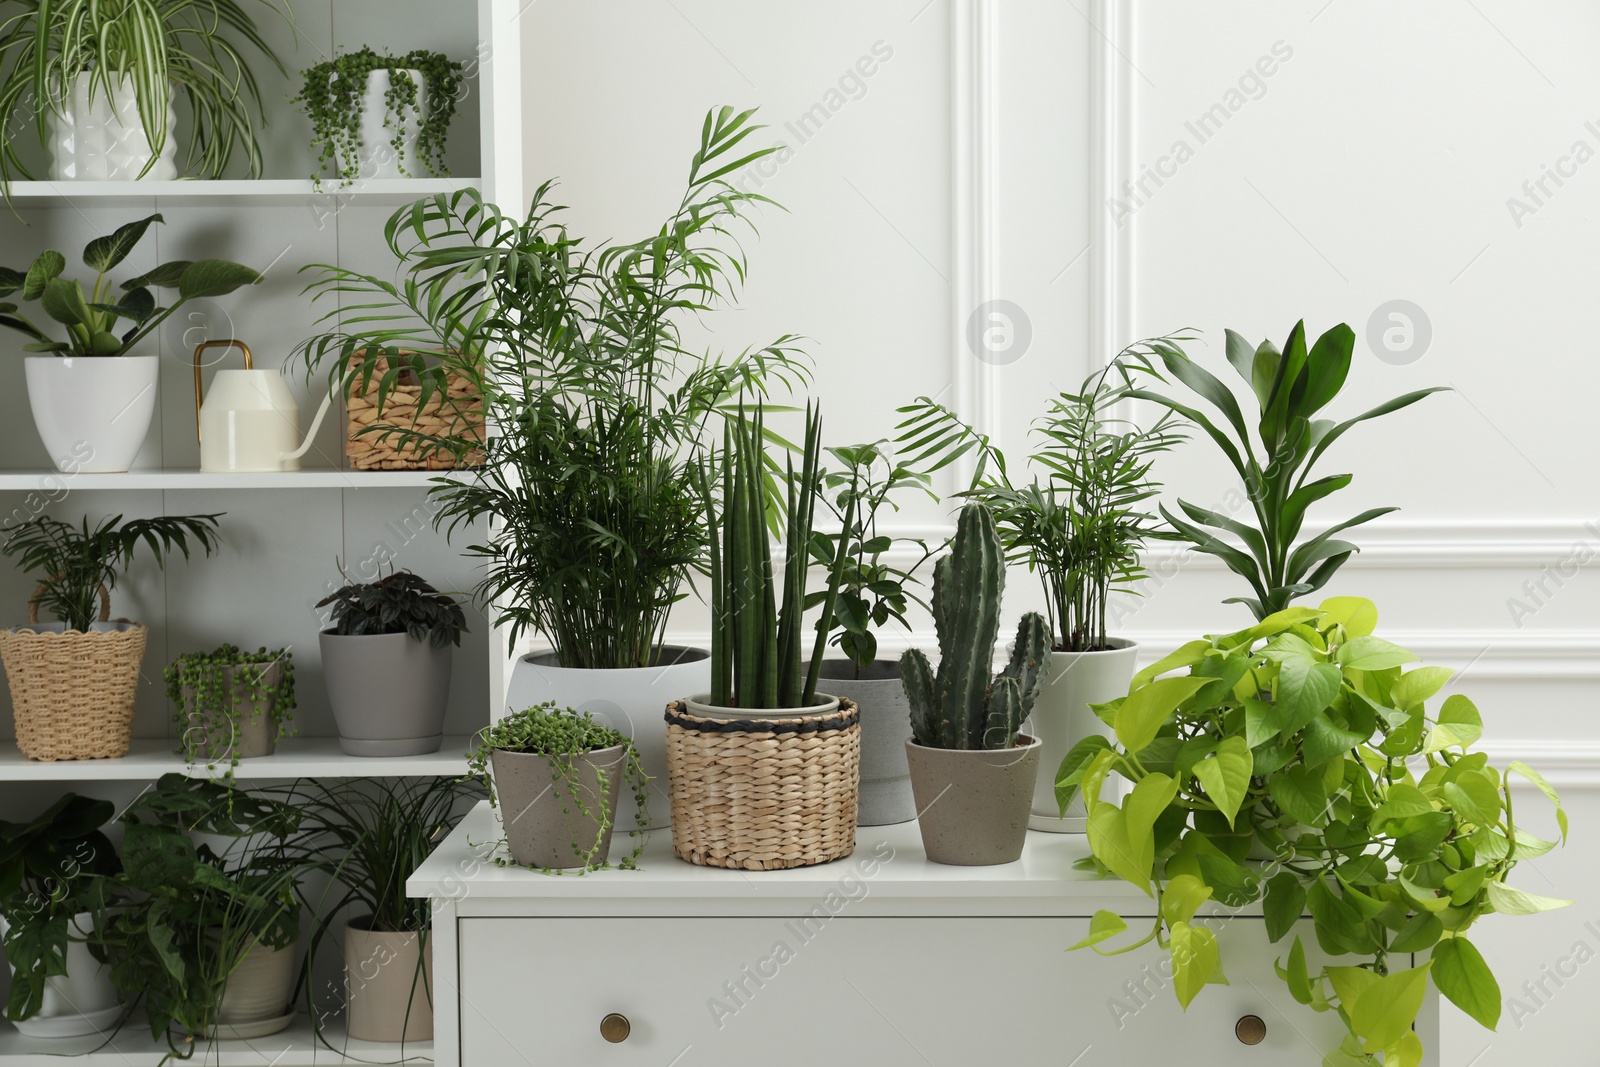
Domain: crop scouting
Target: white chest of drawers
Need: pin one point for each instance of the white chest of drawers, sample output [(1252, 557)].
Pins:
[(883, 959)]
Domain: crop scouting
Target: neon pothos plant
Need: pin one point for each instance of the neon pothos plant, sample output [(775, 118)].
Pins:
[(1290, 386), (1305, 738)]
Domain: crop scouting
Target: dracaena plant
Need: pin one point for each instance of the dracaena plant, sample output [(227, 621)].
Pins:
[(1290, 386), (584, 508), (1081, 522), (1310, 740), (105, 319)]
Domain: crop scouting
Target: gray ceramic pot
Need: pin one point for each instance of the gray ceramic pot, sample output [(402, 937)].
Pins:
[(885, 789), (388, 693), (544, 827), (213, 738), (972, 804)]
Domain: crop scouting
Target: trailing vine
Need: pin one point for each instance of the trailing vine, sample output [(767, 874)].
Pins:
[(333, 92), (202, 686), (561, 734)]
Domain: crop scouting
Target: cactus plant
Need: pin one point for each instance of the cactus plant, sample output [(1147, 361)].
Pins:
[(960, 705)]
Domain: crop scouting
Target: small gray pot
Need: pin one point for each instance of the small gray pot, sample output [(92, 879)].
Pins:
[(388, 692), (214, 739), (544, 826), (972, 804), (885, 789)]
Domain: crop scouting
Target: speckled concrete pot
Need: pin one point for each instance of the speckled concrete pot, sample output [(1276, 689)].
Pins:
[(973, 804), (543, 827)]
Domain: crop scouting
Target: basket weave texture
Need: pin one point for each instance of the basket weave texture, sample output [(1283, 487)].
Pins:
[(767, 794), (456, 413), (72, 693)]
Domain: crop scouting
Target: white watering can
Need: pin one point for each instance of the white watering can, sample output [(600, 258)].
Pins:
[(249, 421)]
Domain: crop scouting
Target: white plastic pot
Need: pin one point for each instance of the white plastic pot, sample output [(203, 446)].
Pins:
[(92, 412), (97, 136), (1061, 718), (81, 1002)]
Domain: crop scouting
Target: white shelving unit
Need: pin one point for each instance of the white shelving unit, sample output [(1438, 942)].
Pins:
[(49, 480), (134, 1047), (296, 757), (256, 192)]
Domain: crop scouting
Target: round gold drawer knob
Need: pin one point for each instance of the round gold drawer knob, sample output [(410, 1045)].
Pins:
[(1250, 1030), (615, 1028)]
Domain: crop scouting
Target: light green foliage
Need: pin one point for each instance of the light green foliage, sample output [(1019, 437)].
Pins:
[(962, 706), (1290, 387), (1307, 739)]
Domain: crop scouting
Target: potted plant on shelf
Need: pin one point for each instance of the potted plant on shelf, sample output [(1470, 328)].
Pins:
[(73, 682), (205, 939), (386, 660), (54, 873), (381, 116), (585, 500), (1081, 526), (103, 78), (869, 592), (232, 705), (379, 831), (92, 399), (556, 776), (1300, 739), (972, 769)]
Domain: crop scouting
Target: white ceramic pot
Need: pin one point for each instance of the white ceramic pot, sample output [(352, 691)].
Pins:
[(379, 158), (885, 786), (97, 136), (92, 412), (701, 705), (81, 1002), (255, 1000), (1061, 718), (630, 700)]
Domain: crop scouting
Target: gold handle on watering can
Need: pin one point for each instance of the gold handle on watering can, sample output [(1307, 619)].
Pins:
[(199, 351)]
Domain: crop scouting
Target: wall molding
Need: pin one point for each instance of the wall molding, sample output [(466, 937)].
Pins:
[(974, 115)]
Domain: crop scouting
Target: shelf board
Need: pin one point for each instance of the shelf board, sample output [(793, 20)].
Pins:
[(134, 1047), (267, 192), (297, 757), (38, 480)]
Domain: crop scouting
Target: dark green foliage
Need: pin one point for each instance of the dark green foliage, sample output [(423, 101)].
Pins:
[(398, 603)]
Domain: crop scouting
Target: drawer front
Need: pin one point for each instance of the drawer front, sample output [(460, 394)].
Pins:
[(709, 992)]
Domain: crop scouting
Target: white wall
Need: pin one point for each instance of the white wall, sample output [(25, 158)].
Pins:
[(1373, 164)]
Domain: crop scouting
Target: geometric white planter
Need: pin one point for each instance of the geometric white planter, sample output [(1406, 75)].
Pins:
[(630, 700), (79, 1003), (92, 412), (1061, 718), (100, 138)]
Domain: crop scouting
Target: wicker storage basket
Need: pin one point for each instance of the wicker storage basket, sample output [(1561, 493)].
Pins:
[(456, 414), (766, 794), (72, 693)]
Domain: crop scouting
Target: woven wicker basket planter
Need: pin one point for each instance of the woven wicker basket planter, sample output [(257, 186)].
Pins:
[(763, 795), (72, 693), (455, 414)]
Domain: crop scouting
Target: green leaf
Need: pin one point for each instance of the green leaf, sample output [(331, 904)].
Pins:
[(1075, 765), (63, 301), (1387, 1008), (1416, 686), (1462, 975), (1260, 722), (1358, 615), (1226, 775), (1372, 654), (1419, 933), (1194, 960), (103, 253), (1186, 656), (1284, 905), (1102, 927), (1182, 898), (1304, 689), (1144, 711), (1122, 837), (165, 276), (1323, 740), (45, 269), (1518, 767), (1459, 725), (1401, 801), (1508, 901), (214, 277), (1475, 797), (1299, 792), (1296, 975)]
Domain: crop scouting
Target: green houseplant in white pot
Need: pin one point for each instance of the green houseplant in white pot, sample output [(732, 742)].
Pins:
[(600, 413), (1081, 526), (387, 663), (972, 768), (92, 394), (869, 592), (381, 116), (54, 875), (98, 82)]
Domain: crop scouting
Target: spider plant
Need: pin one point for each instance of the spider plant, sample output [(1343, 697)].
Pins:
[(157, 47), (75, 564)]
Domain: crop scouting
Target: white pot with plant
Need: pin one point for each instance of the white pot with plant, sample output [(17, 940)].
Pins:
[(109, 73), (73, 682), (1081, 524), (54, 873), (587, 483), (381, 116), (92, 396)]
